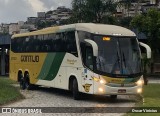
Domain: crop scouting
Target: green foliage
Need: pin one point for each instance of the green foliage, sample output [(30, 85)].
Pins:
[(44, 24), (125, 21), (146, 63), (149, 24), (92, 10), (150, 99), (8, 93)]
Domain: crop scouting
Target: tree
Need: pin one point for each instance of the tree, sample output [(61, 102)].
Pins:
[(149, 24), (125, 21), (92, 10), (41, 24)]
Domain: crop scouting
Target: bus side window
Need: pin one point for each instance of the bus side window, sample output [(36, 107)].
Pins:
[(52, 41), (13, 45), (19, 44), (57, 42), (71, 46), (40, 42), (22, 44), (89, 57), (26, 46), (31, 44)]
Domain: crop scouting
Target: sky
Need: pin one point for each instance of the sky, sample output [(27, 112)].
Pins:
[(12, 11)]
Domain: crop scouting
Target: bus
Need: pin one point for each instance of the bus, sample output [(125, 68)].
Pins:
[(86, 58)]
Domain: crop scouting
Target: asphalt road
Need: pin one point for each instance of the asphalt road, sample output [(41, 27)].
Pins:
[(49, 97)]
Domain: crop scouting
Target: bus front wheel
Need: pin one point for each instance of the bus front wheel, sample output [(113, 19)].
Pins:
[(76, 94)]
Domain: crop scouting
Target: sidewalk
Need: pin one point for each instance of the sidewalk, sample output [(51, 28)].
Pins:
[(153, 80)]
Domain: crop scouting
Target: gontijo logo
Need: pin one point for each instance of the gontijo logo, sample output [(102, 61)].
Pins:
[(29, 58)]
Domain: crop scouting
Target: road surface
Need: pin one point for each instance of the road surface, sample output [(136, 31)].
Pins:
[(49, 97)]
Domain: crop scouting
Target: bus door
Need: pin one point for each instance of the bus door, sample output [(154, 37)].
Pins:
[(87, 81)]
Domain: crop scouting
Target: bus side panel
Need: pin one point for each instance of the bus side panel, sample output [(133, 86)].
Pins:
[(69, 62), (31, 62), (12, 73), (74, 67), (50, 69), (61, 79), (14, 59)]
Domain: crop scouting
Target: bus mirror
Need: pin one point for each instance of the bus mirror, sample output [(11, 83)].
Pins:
[(148, 49), (94, 46)]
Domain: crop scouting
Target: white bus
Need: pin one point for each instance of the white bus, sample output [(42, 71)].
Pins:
[(83, 58)]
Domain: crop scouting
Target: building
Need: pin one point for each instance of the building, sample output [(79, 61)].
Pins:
[(135, 7), (4, 53), (14, 28), (41, 15), (21, 23), (4, 28), (55, 17), (32, 20)]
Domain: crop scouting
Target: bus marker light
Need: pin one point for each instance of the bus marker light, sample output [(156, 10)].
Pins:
[(139, 90), (139, 82), (100, 90), (106, 38), (102, 81)]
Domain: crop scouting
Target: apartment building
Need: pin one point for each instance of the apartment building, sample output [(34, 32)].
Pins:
[(4, 28), (135, 7)]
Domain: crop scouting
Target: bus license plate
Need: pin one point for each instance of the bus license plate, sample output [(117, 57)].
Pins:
[(121, 91)]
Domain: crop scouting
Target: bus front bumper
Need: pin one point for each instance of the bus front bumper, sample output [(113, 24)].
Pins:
[(108, 90)]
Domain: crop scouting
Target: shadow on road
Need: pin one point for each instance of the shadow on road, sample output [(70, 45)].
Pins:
[(89, 98)]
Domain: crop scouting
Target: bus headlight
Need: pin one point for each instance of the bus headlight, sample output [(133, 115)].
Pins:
[(139, 90), (102, 81), (140, 82), (101, 90)]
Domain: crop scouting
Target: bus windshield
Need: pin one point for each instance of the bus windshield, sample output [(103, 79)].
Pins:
[(117, 55)]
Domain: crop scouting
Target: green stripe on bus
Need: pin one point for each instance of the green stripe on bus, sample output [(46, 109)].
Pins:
[(46, 66), (128, 80), (55, 66)]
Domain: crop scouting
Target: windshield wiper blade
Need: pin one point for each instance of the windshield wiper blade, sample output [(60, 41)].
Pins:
[(124, 60), (117, 60), (126, 63)]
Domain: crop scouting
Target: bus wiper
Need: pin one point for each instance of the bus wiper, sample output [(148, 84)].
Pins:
[(117, 60), (124, 60)]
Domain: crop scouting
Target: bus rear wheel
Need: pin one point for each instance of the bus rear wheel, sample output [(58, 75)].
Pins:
[(27, 83), (21, 82), (76, 94)]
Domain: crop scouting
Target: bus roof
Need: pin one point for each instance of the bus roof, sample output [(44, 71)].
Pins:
[(103, 29)]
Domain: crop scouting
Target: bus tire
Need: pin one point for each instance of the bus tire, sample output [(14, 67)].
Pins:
[(21, 82), (76, 94), (28, 86)]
